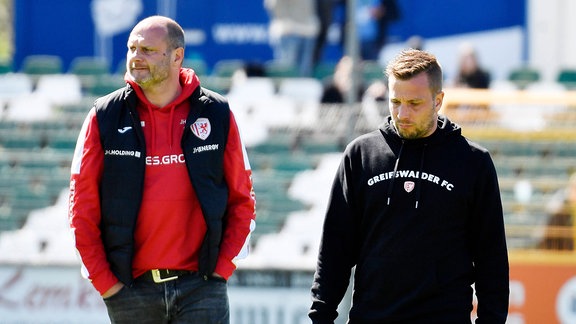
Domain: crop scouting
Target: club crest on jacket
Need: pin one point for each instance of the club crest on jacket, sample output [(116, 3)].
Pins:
[(409, 186), (201, 128)]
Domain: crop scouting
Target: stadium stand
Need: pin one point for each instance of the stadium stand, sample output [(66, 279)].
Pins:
[(294, 145)]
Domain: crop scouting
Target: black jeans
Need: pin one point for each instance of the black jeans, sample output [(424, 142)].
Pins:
[(188, 299)]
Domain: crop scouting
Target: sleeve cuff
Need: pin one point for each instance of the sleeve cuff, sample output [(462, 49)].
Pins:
[(104, 282), (225, 268)]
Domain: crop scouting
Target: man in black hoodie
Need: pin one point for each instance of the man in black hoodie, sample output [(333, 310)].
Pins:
[(415, 207)]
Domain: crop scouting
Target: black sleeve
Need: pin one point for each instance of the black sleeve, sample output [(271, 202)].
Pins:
[(490, 251), (336, 256)]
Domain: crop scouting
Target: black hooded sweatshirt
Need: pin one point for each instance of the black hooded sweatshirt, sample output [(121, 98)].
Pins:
[(421, 220)]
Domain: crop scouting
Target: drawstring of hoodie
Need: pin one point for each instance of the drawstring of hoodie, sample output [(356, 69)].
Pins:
[(418, 186), (391, 185)]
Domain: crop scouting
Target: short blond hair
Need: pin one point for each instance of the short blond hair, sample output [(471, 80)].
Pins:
[(411, 62)]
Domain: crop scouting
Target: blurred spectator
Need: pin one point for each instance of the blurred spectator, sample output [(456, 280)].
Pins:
[(294, 25), (337, 87), (561, 210), (377, 91), (254, 69), (470, 73), (324, 9), (372, 20)]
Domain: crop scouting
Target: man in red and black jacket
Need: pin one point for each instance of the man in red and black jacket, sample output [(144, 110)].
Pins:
[(161, 197)]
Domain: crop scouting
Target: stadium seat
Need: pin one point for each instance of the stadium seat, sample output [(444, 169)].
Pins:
[(275, 112), (372, 71), (220, 85), (13, 85), (197, 64), (77, 110), (104, 84), (42, 64), (324, 70), (28, 108), (64, 140), (321, 146), (253, 89), (89, 66), (21, 141), (226, 68), (273, 145), (48, 165), (523, 76), (567, 78), (301, 89), (5, 66), (59, 88), (275, 69)]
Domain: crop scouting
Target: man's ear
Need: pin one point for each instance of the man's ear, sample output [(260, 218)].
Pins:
[(438, 99), (179, 55)]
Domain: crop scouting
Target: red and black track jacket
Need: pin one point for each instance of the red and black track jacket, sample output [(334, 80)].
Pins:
[(158, 187)]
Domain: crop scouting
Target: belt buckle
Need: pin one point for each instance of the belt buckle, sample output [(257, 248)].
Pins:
[(157, 277)]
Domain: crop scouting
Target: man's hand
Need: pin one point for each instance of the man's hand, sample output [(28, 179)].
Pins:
[(113, 290), (215, 275)]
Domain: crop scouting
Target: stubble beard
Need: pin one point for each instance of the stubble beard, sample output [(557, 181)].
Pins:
[(154, 76), (419, 132)]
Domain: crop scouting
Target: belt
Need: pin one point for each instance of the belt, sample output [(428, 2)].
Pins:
[(163, 275)]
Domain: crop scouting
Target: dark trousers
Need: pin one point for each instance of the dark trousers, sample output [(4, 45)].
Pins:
[(188, 299)]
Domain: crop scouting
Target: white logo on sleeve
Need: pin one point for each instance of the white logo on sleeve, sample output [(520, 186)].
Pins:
[(201, 128)]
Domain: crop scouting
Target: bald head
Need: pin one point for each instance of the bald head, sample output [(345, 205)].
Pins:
[(154, 57), (173, 31)]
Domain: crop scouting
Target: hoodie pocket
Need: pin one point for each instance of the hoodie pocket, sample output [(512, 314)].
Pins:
[(391, 283)]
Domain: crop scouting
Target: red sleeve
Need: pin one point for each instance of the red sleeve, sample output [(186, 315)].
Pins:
[(241, 213), (84, 208)]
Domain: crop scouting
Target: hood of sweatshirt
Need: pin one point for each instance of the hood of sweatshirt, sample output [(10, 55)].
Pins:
[(189, 81), (444, 132)]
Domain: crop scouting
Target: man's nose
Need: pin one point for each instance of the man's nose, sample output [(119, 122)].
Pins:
[(135, 54), (403, 112)]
